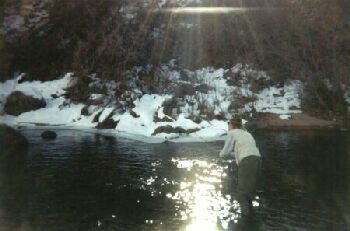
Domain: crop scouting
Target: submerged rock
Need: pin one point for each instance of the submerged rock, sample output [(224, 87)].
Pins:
[(17, 103), (49, 135)]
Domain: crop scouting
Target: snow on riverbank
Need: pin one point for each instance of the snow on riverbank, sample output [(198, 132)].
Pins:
[(211, 107), (283, 100), (52, 92)]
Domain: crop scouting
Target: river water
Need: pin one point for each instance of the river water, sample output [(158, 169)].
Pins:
[(86, 181)]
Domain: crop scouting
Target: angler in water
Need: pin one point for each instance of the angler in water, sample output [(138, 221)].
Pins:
[(241, 144)]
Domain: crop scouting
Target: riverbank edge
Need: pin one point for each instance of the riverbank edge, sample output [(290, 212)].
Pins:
[(266, 122), (299, 122)]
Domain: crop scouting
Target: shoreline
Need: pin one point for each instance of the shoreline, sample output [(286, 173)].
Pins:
[(297, 122), (268, 122)]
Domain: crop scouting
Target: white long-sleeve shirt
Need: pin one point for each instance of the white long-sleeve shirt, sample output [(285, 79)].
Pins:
[(241, 143)]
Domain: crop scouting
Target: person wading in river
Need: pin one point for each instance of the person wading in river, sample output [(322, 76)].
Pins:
[(247, 156)]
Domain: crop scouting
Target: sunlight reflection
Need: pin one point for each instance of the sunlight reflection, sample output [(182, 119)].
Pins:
[(198, 198), (206, 206), (211, 10)]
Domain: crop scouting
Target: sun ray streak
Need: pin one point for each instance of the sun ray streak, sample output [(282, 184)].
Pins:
[(140, 35), (166, 39), (212, 10)]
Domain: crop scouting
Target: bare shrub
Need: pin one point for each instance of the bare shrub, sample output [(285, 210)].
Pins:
[(83, 36), (184, 89), (322, 100), (240, 102), (80, 91), (305, 40), (202, 88)]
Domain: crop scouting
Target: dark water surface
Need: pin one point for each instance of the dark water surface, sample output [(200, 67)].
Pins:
[(84, 181)]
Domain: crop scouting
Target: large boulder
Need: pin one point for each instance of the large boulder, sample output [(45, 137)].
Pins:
[(12, 143), (17, 103)]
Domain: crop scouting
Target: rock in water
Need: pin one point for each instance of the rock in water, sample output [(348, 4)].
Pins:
[(49, 135), (169, 129), (17, 103), (108, 123), (12, 143)]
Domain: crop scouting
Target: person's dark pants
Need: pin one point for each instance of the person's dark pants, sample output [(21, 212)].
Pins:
[(248, 171)]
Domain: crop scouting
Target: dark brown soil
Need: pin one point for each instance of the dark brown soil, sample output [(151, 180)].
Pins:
[(297, 121), (169, 129)]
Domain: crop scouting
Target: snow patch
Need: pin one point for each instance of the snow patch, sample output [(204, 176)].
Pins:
[(145, 107), (37, 89), (105, 113), (280, 100), (347, 97), (285, 117), (139, 122)]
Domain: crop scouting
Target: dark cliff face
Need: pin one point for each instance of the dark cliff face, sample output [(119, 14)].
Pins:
[(47, 38), (18, 19), (23, 16)]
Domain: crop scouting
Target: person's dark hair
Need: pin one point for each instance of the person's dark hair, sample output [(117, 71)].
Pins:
[(236, 123)]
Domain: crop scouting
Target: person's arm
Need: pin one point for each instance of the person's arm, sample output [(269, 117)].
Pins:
[(229, 144)]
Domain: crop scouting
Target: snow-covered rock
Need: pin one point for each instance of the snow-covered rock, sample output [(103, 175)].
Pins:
[(18, 103)]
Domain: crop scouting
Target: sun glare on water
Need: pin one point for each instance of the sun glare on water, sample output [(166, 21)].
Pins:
[(199, 200), (206, 206)]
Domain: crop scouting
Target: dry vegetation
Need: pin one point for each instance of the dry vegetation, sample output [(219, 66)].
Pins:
[(305, 39)]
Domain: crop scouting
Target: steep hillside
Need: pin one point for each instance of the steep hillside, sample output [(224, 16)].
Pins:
[(182, 67)]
